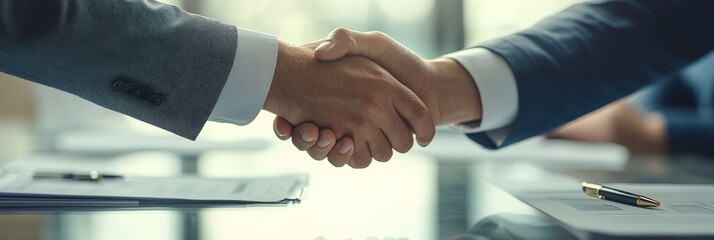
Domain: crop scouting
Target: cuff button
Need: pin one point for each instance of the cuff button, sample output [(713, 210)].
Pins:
[(118, 85), (157, 99), (130, 88)]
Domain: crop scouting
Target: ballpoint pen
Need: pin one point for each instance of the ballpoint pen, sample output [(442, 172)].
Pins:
[(607, 193), (93, 176)]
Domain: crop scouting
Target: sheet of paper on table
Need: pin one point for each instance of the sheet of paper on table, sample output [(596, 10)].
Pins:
[(538, 150), (686, 210)]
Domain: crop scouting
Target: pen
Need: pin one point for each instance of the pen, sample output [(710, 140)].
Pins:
[(92, 176), (607, 193)]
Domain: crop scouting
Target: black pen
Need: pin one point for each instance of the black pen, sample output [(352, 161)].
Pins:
[(607, 193), (92, 176)]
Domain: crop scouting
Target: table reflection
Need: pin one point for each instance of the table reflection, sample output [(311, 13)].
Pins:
[(389, 200)]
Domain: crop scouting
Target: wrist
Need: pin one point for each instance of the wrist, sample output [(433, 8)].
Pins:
[(275, 92), (458, 98), (286, 71)]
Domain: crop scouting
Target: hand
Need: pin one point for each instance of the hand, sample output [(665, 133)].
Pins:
[(445, 87), (619, 123), (353, 97)]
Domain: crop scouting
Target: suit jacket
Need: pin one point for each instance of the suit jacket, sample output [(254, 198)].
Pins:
[(151, 61), (596, 52)]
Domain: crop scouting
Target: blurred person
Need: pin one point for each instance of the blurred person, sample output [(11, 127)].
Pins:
[(620, 122), (672, 117), (177, 70), (534, 81)]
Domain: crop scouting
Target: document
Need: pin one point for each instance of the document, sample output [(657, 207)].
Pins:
[(686, 210), (539, 151), (21, 189)]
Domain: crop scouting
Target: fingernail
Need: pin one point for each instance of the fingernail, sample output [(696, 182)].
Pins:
[(323, 143), (324, 45), (344, 148), (307, 137)]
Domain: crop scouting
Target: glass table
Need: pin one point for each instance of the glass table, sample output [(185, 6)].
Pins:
[(413, 196)]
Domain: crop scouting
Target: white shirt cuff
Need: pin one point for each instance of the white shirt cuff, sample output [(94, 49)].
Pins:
[(248, 83), (497, 86)]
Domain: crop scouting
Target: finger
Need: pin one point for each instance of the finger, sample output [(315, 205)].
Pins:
[(324, 144), (398, 134), (342, 152), (282, 128), (379, 147), (305, 136), (361, 157), (415, 112)]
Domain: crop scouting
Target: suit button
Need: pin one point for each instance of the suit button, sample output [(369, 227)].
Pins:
[(143, 93), (130, 88), (118, 85), (157, 99)]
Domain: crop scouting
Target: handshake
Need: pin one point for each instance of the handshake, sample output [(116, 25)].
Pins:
[(355, 96)]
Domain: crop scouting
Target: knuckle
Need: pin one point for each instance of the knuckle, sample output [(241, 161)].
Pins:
[(383, 155), (417, 109), (299, 144), (381, 77), (380, 40), (376, 110), (378, 35), (365, 102), (361, 159), (368, 109), (420, 111), (337, 161), (317, 155), (365, 105), (361, 163), (361, 123), (341, 31), (404, 145)]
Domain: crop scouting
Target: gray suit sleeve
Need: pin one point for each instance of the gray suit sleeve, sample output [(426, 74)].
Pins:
[(151, 61)]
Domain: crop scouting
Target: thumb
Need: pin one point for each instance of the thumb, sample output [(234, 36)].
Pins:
[(342, 42), (378, 47), (338, 44)]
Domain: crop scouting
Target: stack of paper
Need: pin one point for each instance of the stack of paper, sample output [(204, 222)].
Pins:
[(20, 189)]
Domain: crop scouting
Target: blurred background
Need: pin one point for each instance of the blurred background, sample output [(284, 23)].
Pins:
[(447, 202), (430, 27)]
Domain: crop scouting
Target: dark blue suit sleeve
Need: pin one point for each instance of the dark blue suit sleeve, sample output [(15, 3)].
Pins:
[(688, 131), (594, 53), (685, 103)]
